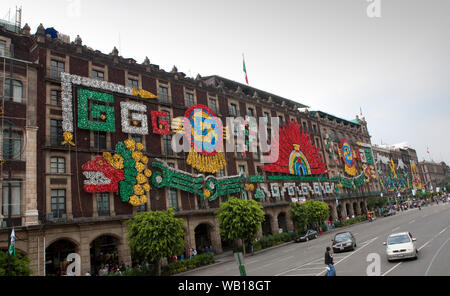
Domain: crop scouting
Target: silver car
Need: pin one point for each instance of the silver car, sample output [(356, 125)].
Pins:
[(401, 245)]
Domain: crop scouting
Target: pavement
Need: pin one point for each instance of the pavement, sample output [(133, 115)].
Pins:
[(431, 227)]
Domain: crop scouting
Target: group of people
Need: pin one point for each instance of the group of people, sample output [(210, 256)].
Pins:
[(106, 269), (192, 253)]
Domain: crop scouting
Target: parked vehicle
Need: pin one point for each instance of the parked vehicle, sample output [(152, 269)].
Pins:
[(306, 236), (389, 212), (343, 241), (400, 245)]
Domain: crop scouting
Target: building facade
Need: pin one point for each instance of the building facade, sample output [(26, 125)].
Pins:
[(99, 130), (433, 173)]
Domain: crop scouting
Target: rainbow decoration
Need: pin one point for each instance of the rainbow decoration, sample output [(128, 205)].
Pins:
[(204, 131), (348, 157), (297, 153)]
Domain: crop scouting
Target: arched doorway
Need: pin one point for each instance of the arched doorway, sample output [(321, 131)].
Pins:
[(355, 208), (339, 211), (266, 226), (202, 237), (104, 251), (56, 255), (363, 208), (282, 221), (347, 208)]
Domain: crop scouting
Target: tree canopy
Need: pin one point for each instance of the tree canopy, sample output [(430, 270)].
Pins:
[(310, 212), (155, 235), (240, 219), (19, 265)]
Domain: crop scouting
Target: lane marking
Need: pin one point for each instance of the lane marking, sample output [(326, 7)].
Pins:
[(412, 221), (434, 257), (395, 228), (391, 269)]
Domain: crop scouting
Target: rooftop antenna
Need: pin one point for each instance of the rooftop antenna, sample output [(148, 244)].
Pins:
[(18, 20)]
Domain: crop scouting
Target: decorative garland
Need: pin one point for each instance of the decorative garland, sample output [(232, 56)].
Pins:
[(136, 118), (161, 126), (224, 185), (350, 183), (104, 114), (348, 157)]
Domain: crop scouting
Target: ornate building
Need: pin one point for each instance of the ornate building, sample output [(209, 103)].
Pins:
[(99, 133)]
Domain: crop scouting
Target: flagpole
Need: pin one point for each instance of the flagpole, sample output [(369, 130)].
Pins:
[(9, 221)]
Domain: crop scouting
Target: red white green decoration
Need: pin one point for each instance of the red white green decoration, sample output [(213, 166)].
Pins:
[(160, 126), (125, 172), (297, 154)]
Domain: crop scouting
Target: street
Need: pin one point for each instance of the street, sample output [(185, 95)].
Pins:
[(430, 227)]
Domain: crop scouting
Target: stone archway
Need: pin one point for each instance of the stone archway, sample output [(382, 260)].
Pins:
[(363, 208), (104, 250), (266, 225), (339, 212), (56, 254), (347, 209), (282, 221), (203, 237), (355, 208)]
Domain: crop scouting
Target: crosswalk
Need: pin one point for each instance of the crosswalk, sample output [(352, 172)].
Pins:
[(317, 266)]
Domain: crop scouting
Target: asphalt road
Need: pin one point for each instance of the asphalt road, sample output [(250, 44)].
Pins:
[(430, 226)]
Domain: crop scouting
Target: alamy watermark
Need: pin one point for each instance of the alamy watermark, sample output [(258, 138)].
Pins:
[(374, 8)]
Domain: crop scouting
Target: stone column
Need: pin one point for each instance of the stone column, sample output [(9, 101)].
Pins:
[(85, 250), (333, 211), (351, 212), (358, 208), (31, 212), (274, 224), (215, 239)]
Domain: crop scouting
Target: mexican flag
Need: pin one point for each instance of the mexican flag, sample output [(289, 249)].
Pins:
[(12, 249), (245, 70)]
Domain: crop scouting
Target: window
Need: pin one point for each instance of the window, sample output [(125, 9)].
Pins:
[(317, 143), (314, 128), (14, 186), (17, 90), (99, 140), (163, 94), (57, 165), (281, 119), (241, 169), (56, 132), (103, 204), (12, 143), (58, 202), (133, 83), (213, 105), (201, 204), (251, 112), (233, 110), (172, 194), (99, 75), (56, 67), (167, 142), (305, 126), (189, 99), (267, 117), (137, 138), (55, 97), (2, 48)]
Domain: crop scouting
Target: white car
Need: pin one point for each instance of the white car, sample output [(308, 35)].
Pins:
[(401, 245)]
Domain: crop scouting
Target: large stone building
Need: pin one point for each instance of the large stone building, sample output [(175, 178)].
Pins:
[(433, 173), (89, 115)]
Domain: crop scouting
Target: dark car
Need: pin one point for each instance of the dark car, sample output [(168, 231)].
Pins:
[(343, 241), (306, 236)]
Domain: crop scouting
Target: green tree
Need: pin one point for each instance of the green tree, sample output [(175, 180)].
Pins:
[(156, 235), (317, 211), (19, 265), (240, 219), (299, 216)]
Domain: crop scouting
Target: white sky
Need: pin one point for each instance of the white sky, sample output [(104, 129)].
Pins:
[(327, 54)]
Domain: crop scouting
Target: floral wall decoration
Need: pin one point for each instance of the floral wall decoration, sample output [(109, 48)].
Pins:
[(297, 154), (137, 124), (125, 172), (204, 131), (67, 82), (348, 157), (102, 115), (160, 126), (216, 187)]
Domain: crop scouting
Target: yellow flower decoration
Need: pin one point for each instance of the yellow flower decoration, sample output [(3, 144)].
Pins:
[(137, 155), (144, 159), (140, 146), (143, 199), (141, 179), (138, 189), (146, 187), (134, 200), (130, 144), (147, 172), (139, 166), (206, 193)]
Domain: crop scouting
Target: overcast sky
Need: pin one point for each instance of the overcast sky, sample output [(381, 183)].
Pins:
[(327, 54)]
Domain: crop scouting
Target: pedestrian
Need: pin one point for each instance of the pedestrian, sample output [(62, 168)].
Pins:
[(175, 258), (194, 253), (190, 253), (329, 262), (182, 256)]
